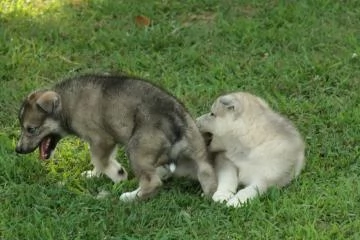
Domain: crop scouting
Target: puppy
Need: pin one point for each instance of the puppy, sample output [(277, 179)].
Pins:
[(252, 146), (105, 111)]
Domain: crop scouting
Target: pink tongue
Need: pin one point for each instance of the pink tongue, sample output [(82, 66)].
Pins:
[(43, 148)]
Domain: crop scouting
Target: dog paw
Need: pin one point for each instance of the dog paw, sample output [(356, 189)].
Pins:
[(222, 196), (129, 196), (90, 173), (234, 202)]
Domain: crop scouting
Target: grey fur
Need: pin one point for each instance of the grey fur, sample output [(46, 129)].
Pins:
[(108, 110)]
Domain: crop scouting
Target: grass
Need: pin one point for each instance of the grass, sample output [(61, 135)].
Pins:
[(301, 56)]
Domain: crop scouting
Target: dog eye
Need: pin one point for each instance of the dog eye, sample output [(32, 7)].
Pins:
[(32, 130), (212, 114)]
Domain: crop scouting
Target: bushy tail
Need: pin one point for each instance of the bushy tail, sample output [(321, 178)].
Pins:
[(177, 149)]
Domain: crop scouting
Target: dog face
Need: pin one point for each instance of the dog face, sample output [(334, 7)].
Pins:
[(39, 122), (224, 111)]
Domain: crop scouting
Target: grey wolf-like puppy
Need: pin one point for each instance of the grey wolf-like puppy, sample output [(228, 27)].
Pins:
[(105, 111)]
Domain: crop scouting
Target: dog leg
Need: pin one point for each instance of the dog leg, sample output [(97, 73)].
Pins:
[(205, 172), (227, 176), (149, 181), (103, 159), (148, 186), (129, 196), (164, 172), (164, 169), (143, 157), (246, 194)]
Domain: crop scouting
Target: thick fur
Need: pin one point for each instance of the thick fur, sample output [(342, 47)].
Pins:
[(252, 146), (109, 110)]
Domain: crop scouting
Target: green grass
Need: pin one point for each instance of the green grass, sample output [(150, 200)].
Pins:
[(298, 55)]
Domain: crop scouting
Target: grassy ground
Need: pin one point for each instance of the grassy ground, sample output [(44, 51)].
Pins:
[(301, 56)]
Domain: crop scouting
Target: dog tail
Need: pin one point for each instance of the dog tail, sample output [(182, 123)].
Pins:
[(172, 155), (177, 149)]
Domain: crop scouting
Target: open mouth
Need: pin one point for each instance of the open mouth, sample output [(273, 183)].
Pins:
[(47, 146)]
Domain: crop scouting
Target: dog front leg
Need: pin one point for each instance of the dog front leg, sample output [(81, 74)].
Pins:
[(246, 194), (227, 176)]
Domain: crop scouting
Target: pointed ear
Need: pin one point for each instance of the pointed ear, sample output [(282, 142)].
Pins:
[(32, 96), (228, 102), (49, 101)]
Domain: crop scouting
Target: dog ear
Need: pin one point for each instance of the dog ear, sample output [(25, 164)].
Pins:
[(49, 101), (32, 96), (228, 102)]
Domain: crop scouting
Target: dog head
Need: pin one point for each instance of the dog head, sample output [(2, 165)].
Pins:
[(225, 110), (40, 124)]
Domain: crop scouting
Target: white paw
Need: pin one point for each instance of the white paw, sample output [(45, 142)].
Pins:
[(129, 196), (91, 173), (234, 202), (221, 196)]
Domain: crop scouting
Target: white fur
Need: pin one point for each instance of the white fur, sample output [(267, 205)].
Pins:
[(130, 196), (172, 167), (228, 173), (91, 173), (258, 147)]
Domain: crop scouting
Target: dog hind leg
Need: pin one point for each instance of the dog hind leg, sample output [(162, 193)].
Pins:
[(143, 157), (205, 172), (149, 180), (103, 159)]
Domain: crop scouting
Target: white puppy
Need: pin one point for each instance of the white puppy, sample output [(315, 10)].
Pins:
[(253, 146)]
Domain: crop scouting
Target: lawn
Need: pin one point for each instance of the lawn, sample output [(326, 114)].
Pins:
[(303, 57)]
